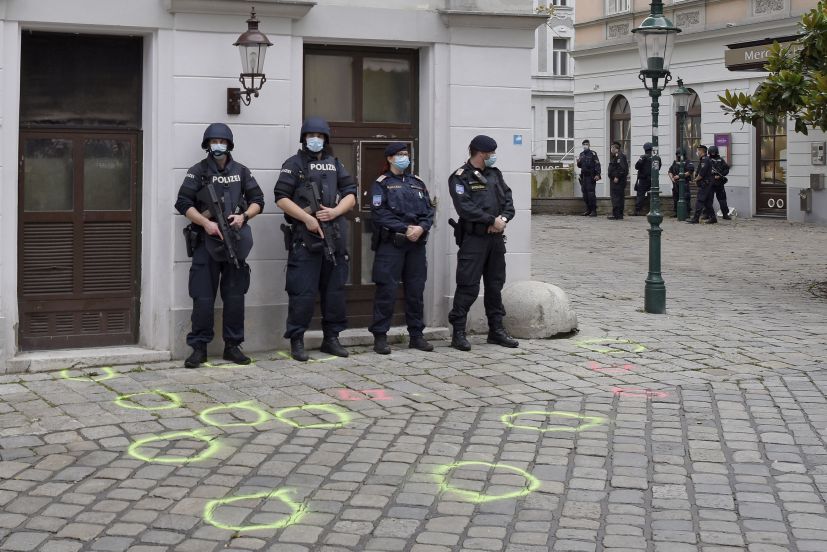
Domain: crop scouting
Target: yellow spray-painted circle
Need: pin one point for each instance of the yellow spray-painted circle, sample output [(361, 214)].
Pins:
[(594, 344), (343, 415), (174, 400), (109, 373), (297, 511), (588, 421), (230, 365), (285, 355), (479, 498), (261, 415), (196, 434)]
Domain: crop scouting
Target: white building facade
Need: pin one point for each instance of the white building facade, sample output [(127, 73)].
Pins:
[(104, 103), (771, 166)]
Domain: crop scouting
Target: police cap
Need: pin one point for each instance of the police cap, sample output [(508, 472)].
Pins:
[(217, 130), (647, 146), (483, 143), (701, 146), (315, 124), (616, 143), (394, 148), (585, 143), (713, 150)]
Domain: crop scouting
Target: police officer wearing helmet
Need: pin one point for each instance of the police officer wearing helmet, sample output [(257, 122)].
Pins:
[(483, 201), (402, 218), (720, 169), (589, 166), (241, 199), (644, 177), (675, 174), (703, 178), (309, 270)]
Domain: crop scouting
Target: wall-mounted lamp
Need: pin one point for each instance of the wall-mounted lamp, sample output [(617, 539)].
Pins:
[(252, 45)]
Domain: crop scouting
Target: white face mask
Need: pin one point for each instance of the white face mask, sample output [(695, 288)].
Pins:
[(315, 144), (585, 148), (218, 150)]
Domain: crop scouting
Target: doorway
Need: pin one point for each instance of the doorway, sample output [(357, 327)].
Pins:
[(78, 223), (771, 161)]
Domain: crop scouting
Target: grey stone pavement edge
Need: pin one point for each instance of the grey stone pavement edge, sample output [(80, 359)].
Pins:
[(700, 430)]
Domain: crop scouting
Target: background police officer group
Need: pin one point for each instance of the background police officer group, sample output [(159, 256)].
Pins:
[(402, 217), (589, 166), (310, 272), (644, 178), (675, 175), (241, 199), (618, 172), (483, 201)]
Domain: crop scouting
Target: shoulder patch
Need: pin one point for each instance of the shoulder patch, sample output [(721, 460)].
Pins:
[(418, 178), (381, 177), (459, 171), (377, 200), (460, 188)]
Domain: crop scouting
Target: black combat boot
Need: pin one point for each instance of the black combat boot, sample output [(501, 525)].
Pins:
[(297, 349), (232, 352), (380, 344), (331, 346), (198, 356), (459, 341), (587, 213), (498, 336), (419, 342)]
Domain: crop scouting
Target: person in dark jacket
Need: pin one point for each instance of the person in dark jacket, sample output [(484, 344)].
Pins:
[(402, 218), (241, 199), (703, 178), (483, 201), (675, 174), (589, 166), (720, 169), (644, 178), (618, 173)]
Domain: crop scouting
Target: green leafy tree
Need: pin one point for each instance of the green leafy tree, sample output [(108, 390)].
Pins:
[(797, 85)]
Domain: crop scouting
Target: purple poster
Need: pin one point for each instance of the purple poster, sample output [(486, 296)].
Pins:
[(724, 143)]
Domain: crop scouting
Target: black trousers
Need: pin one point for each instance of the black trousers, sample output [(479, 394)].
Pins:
[(310, 274), (640, 199), (207, 276), (703, 203), (393, 265), (587, 188), (480, 257), (687, 196), (720, 193), (617, 193)]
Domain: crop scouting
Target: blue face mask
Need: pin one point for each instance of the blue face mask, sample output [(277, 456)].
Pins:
[(218, 150), (402, 162), (315, 144), (491, 161)]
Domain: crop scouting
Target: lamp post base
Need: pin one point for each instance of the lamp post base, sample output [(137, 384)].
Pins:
[(654, 296)]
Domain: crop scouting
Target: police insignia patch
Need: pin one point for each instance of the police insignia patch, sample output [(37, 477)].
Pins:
[(460, 189), (377, 200)]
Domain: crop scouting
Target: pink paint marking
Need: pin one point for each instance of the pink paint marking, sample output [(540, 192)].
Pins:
[(639, 392), (350, 395), (367, 394), (611, 370), (378, 394)]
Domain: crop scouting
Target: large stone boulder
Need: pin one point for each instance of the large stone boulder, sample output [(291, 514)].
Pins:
[(536, 310)]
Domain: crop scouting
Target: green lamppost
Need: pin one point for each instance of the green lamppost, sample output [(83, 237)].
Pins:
[(681, 98), (655, 39)]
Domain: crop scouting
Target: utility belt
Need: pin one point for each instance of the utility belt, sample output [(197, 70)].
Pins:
[(464, 228)]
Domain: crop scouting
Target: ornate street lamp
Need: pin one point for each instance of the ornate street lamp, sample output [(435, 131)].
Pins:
[(655, 39), (681, 98), (252, 45)]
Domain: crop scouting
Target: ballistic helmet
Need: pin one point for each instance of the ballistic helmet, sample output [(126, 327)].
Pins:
[(217, 130), (647, 146), (315, 124), (713, 150)]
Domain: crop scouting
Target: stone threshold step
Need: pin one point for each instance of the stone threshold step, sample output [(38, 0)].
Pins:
[(44, 361)]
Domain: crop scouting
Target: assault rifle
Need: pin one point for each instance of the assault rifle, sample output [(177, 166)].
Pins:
[(207, 195), (309, 191)]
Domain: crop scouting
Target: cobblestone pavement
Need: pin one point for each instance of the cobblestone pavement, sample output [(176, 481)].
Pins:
[(699, 430)]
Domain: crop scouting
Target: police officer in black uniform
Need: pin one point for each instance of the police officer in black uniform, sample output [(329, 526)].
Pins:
[(618, 172), (241, 199), (644, 178), (483, 201), (309, 269), (720, 169), (589, 166), (703, 178), (402, 217), (675, 175)]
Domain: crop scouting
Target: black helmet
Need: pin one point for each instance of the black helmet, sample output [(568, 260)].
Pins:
[(217, 130), (680, 152), (647, 146), (713, 150), (315, 124)]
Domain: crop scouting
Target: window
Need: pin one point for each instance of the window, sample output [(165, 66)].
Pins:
[(691, 128), (617, 6), (557, 3), (620, 125), (560, 56), (560, 131)]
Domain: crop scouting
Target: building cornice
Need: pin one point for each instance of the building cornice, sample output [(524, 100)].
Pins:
[(492, 20), (644, 12), (291, 9)]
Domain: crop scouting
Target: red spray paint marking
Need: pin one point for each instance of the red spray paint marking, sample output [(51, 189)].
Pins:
[(364, 395), (610, 370), (639, 393)]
